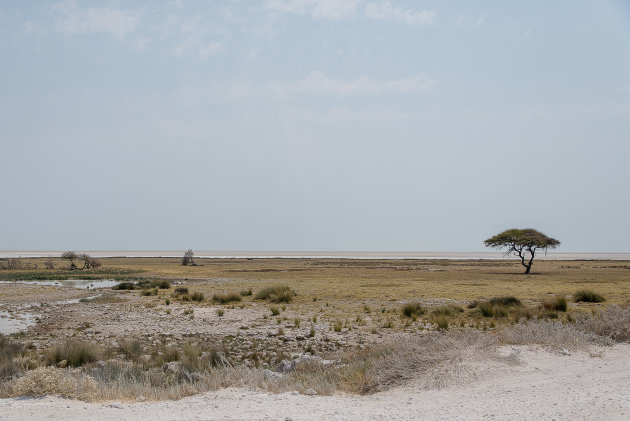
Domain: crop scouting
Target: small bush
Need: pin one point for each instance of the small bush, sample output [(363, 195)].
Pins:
[(311, 334), (448, 310), (76, 353), (246, 292), (124, 286), (588, 296), (412, 309), (442, 323), (8, 351), (508, 301), (489, 310), (180, 291), (147, 292), (274, 311), (337, 326), (559, 304), (197, 296), (226, 298), (220, 312), (276, 294), (132, 349), (146, 284)]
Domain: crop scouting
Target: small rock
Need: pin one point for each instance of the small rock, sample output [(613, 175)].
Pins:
[(310, 392), (62, 364), (116, 405), (565, 352)]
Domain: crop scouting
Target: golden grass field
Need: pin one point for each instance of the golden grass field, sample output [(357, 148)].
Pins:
[(347, 284)]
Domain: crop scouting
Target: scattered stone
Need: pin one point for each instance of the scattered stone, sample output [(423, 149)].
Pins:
[(116, 405), (62, 364), (310, 392)]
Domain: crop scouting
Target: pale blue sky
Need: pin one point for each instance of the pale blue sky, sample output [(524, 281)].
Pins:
[(313, 124)]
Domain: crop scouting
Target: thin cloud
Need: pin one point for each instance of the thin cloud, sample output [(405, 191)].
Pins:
[(318, 9), (385, 10), (76, 20), (318, 84)]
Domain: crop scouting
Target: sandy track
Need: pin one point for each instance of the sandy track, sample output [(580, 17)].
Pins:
[(546, 386)]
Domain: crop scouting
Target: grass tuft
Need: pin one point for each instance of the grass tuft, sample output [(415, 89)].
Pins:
[(588, 296), (412, 310), (276, 294), (226, 298)]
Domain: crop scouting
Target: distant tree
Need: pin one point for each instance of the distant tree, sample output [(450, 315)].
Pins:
[(523, 243), (88, 261), (48, 264), (187, 260), (71, 257)]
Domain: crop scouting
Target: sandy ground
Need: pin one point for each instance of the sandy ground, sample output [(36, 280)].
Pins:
[(545, 386)]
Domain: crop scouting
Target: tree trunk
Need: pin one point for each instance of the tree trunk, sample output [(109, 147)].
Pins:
[(528, 268)]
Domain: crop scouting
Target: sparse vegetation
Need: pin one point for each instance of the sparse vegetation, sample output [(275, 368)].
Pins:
[(74, 352), (588, 296), (276, 294), (226, 298), (412, 310)]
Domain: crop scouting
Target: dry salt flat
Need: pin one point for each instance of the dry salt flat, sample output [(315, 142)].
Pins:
[(545, 385)]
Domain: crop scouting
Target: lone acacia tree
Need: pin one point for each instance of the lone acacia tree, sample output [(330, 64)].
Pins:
[(522, 242)]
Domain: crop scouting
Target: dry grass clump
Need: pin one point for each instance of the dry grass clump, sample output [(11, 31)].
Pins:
[(412, 310), (551, 334), (276, 294), (9, 353), (447, 310), (226, 298), (45, 381), (614, 323), (559, 304), (588, 296), (75, 353)]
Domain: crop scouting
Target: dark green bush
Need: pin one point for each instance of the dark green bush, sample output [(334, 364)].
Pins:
[(412, 310), (276, 294), (588, 296)]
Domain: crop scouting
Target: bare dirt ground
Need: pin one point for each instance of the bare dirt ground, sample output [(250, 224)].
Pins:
[(543, 386)]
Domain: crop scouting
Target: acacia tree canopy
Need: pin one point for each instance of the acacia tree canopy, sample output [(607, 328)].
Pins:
[(522, 242)]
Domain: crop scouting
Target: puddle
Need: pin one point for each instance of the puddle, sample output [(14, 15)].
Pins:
[(11, 324), (75, 283)]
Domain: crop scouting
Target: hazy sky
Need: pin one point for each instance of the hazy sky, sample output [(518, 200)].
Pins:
[(313, 124)]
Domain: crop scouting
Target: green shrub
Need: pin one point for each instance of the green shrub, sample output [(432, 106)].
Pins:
[(220, 312), (489, 310), (276, 294), (588, 296), (337, 326), (226, 298), (180, 291), (448, 310), (124, 286), (246, 292), (274, 311), (412, 309), (508, 301)]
